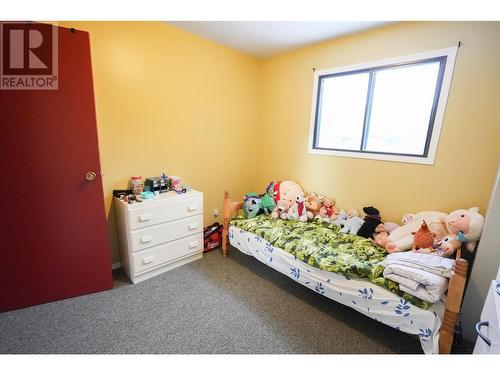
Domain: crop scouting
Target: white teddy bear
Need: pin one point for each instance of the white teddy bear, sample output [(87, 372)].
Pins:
[(352, 223), (298, 210), (342, 215), (280, 211)]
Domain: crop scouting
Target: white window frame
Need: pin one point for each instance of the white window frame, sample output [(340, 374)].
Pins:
[(450, 54)]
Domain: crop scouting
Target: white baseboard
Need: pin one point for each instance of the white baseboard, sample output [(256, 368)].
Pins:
[(116, 265)]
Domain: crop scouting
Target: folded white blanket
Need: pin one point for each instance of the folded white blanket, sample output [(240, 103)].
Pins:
[(422, 284), (426, 262)]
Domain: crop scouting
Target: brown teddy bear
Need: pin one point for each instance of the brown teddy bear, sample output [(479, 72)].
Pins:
[(329, 211), (313, 205)]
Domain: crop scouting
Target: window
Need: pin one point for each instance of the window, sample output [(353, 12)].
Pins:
[(387, 110)]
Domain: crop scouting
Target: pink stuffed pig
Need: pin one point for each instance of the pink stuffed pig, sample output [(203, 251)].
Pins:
[(469, 222), (289, 190)]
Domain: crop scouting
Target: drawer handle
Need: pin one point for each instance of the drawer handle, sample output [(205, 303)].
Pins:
[(145, 217), (193, 226), (497, 288), (482, 335), (192, 207), (193, 244), (148, 259), (146, 239)]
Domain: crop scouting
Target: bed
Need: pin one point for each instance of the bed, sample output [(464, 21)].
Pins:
[(353, 283)]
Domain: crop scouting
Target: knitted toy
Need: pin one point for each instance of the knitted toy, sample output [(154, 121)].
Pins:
[(423, 238), (313, 205), (352, 223), (297, 210), (466, 224), (267, 199), (371, 221), (281, 209)]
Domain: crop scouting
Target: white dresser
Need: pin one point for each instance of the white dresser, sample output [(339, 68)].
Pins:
[(488, 328), (160, 234)]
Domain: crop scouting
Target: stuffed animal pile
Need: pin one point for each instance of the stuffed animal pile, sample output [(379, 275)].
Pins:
[(428, 231), (433, 232), (287, 200)]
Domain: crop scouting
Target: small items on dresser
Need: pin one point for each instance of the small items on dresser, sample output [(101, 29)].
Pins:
[(158, 185), (140, 190), (136, 185), (117, 193), (147, 195), (175, 183)]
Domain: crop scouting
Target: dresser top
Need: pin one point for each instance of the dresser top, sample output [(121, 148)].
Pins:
[(163, 197)]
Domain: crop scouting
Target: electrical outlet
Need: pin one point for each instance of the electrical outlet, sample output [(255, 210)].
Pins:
[(216, 212)]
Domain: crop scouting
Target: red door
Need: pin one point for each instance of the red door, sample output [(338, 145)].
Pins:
[(52, 220)]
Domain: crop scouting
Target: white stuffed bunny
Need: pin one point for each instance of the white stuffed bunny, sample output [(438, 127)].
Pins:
[(342, 215), (352, 223)]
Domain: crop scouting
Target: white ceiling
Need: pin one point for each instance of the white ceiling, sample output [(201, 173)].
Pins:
[(263, 39)]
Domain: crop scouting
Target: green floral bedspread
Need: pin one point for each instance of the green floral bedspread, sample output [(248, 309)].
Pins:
[(322, 245)]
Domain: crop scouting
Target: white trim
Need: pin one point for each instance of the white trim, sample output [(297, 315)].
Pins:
[(450, 52), (116, 265)]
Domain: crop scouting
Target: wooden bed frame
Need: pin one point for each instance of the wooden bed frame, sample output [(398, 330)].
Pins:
[(455, 289)]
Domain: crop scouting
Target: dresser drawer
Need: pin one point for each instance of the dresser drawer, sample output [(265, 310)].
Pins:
[(165, 253), (161, 233), (165, 211)]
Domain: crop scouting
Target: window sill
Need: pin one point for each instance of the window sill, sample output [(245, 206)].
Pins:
[(429, 160)]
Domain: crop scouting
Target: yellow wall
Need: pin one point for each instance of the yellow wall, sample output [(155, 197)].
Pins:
[(469, 147), (167, 100), (170, 101)]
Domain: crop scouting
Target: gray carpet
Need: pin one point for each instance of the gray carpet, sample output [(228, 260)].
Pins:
[(214, 305)]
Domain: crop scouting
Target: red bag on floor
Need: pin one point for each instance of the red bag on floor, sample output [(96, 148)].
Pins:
[(212, 236)]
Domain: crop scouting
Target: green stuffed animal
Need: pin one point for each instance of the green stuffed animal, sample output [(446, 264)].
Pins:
[(267, 199), (251, 205)]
